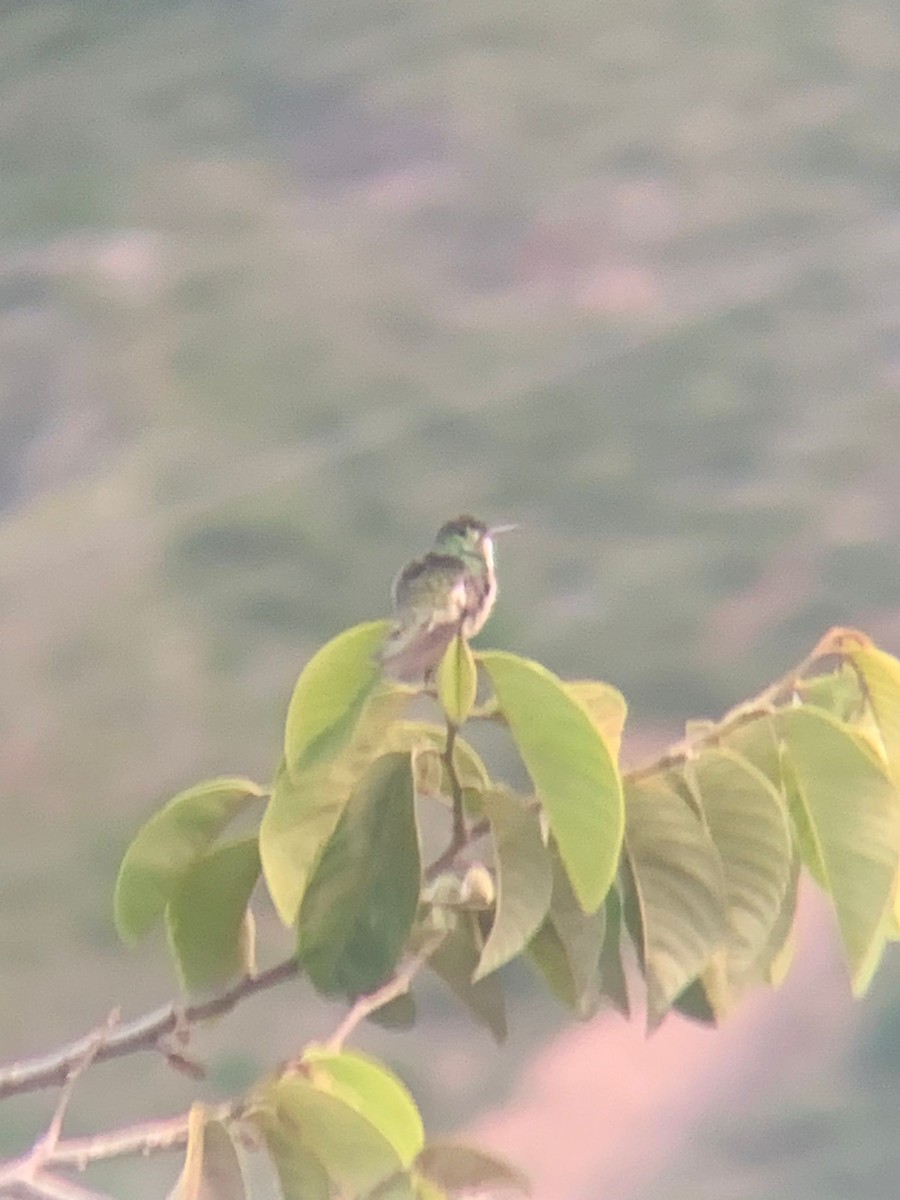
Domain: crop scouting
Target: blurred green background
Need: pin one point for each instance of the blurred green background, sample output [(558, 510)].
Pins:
[(285, 285)]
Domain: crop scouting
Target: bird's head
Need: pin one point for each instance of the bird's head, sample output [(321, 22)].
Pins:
[(467, 537)]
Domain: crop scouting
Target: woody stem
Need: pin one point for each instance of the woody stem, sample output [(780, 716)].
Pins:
[(458, 837)]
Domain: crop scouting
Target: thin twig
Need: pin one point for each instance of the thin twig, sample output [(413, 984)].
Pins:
[(763, 704), (48, 1143), (146, 1032), (147, 1137), (458, 837), (52, 1187), (143, 1033), (171, 1133), (27, 1174), (65, 1066), (447, 858), (397, 985)]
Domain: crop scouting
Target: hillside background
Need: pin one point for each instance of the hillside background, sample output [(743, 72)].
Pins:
[(285, 285)]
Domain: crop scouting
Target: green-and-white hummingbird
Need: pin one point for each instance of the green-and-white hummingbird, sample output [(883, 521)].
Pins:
[(450, 590)]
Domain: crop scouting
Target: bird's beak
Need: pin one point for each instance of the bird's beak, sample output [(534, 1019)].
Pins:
[(495, 529)]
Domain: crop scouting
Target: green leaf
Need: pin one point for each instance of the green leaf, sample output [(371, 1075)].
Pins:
[(678, 887), (851, 808), (329, 696), (748, 822), (402, 1186), (775, 960), (169, 844), (303, 811), (581, 934), (606, 707), (547, 952), (838, 692), (758, 742), (430, 739), (880, 673), (807, 842), (222, 1174), (373, 1091), (457, 681), (399, 1013), (524, 879), (694, 1003), (362, 899), (212, 1169), (458, 1168), (571, 767), (426, 1190), (566, 949), (612, 981), (206, 918), (456, 960), (301, 1175), (355, 1155)]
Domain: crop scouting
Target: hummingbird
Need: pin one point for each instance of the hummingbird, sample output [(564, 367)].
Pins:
[(448, 591)]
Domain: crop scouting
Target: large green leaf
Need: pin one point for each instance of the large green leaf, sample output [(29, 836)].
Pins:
[(399, 1013), (851, 807), (547, 952), (571, 767), (775, 960), (606, 707), (524, 878), (355, 1155), (457, 681), (374, 1091), (402, 1186), (612, 981), (880, 673), (299, 820), (458, 1168), (566, 949), (207, 918), (695, 1004), (362, 898), (456, 960), (169, 844), (329, 696), (759, 742), (707, 999), (838, 692), (429, 741), (679, 889), (301, 1175), (212, 1169), (748, 822), (304, 810)]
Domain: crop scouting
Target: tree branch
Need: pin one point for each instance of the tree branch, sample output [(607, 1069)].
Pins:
[(458, 836), (28, 1175), (49, 1142), (144, 1033), (50, 1187), (171, 1133), (833, 643), (447, 858), (146, 1137), (148, 1031)]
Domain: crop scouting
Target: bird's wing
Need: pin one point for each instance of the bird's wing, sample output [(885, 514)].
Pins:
[(443, 603), (427, 618)]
